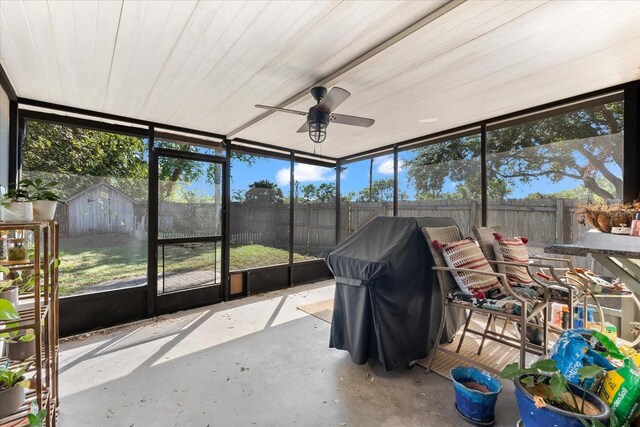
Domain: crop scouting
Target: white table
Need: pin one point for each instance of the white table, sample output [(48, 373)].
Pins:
[(621, 256)]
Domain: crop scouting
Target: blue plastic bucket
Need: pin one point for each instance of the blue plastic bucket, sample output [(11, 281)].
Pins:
[(472, 403)]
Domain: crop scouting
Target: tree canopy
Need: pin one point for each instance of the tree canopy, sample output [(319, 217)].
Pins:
[(309, 193), (381, 191), (263, 191), (79, 158), (585, 145)]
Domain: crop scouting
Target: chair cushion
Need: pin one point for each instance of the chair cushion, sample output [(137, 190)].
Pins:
[(512, 250), (465, 253), (493, 300), (484, 237)]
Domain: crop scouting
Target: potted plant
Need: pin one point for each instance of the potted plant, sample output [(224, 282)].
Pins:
[(546, 398), (37, 416), (12, 385), (45, 201), (8, 312), (15, 205), (20, 345), (606, 215), (8, 288)]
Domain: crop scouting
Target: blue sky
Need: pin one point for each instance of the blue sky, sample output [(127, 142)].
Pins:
[(356, 177)]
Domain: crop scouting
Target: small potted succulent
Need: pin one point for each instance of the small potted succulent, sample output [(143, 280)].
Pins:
[(16, 206), (12, 388), (546, 398), (44, 200)]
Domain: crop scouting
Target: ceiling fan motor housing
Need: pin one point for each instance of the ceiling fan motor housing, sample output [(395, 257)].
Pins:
[(318, 93), (317, 116)]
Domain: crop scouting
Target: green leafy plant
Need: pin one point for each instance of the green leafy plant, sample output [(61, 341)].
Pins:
[(36, 416), (15, 336), (6, 283), (8, 310), (11, 377), (17, 194), (38, 189), (24, 282), (549, 387)]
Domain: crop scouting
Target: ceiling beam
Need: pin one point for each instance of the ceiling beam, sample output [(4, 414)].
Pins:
[(430, 17)]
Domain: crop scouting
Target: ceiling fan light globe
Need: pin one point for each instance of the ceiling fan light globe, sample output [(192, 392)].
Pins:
[(317, 132)]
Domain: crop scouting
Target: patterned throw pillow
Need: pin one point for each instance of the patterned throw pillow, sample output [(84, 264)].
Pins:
[(467, 254), (512, 250)]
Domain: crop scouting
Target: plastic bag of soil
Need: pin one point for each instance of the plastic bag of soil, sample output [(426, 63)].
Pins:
[(621, 390), (577, 348)]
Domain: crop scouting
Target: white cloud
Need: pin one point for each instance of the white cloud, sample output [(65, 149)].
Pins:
[(305, 173), (385, 165)]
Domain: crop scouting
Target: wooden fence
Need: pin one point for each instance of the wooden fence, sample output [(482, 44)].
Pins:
[(544, 222)]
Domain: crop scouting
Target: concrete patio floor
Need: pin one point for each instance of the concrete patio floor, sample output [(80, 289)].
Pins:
[(255, 361)]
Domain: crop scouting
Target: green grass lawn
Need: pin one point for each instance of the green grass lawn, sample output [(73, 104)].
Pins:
[(94, 259)]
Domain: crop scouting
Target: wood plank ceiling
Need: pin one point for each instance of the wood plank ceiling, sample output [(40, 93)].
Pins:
[(203, 65)]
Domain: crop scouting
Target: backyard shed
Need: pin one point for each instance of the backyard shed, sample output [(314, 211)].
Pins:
[(101, 208)]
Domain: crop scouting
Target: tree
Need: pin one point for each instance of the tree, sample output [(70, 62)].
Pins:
[(264, 191), (71, 152), (324, 193), (381, 191), (585, 145), (72, 156)]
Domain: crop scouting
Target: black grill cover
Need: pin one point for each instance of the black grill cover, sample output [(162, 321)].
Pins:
[(385, 305)]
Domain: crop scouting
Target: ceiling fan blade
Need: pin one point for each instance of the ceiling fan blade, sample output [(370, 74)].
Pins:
[(283, 110), (351, 120), (335, 97), (304, 128)]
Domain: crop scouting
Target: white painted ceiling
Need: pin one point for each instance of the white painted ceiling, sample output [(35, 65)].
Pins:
[(204, 64)]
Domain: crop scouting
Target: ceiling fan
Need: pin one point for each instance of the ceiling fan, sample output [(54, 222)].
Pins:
[(321, 114)]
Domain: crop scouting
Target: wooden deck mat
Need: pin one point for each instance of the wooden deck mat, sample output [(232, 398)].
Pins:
[(494, 355), (323, 310)]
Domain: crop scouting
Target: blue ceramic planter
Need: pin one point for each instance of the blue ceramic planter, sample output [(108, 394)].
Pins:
[(550, 416), (473, 404)]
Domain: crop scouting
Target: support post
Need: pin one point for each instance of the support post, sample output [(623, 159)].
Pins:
[(226, 222), (338, 201), (631, 171), (483, 173), (292, 202), (395, 180), (14, 145), (152, 227)]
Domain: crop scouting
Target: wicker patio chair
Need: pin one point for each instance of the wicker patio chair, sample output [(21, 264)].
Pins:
[(529, 309)]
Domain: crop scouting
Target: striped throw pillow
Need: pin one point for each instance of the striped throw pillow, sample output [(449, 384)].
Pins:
[(467, 254), (512, 250)]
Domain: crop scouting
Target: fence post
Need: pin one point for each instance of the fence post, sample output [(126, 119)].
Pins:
[(308, 225), (472, 214), (559, 220)]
